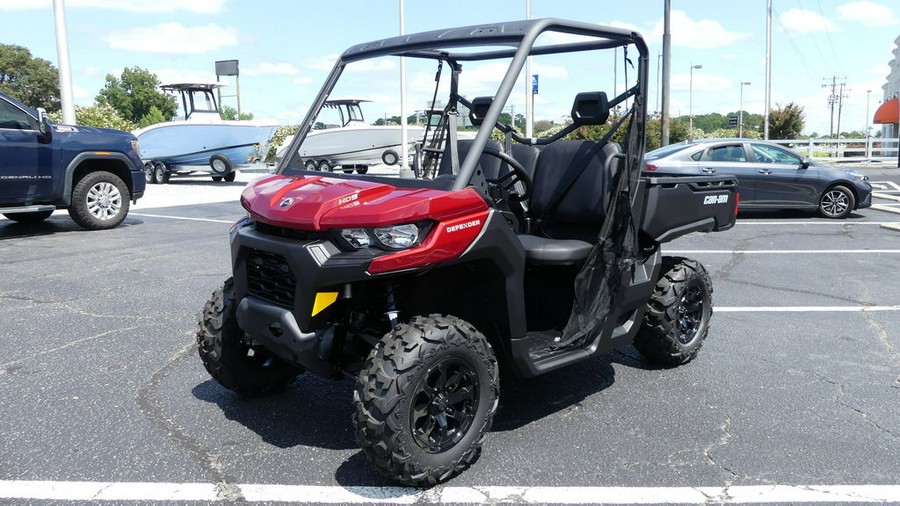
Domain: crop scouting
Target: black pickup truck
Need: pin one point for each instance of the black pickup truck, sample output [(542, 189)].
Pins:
[(95, 173), (525, 253)]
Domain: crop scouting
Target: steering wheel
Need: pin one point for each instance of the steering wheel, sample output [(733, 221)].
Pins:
[(508, 181)]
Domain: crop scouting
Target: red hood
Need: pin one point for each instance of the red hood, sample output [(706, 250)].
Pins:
[(320, 202)]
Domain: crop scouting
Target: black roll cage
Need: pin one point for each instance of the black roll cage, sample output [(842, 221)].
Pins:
[(520, 37)]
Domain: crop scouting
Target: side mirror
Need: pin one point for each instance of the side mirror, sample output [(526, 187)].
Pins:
[(46, 131), (805, 163)]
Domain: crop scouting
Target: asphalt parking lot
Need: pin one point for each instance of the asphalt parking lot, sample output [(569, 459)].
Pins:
[(795, 397)]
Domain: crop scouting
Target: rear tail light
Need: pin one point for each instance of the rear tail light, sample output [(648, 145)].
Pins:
[(650, 167), (737, 202)]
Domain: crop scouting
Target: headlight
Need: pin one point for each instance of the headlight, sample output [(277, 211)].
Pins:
[(394, 237), (135, 146), (398, 236), (357, 237)]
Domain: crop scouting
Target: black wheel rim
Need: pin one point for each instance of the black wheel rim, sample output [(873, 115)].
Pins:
[(444, 405), (689, 314)]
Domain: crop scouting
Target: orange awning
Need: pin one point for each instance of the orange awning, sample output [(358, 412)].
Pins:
[(888, 112)]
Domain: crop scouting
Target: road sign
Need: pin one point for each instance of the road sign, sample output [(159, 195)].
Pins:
[(732, 121), (534, 84)]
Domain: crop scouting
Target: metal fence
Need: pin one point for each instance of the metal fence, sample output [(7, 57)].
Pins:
[(873, 149)]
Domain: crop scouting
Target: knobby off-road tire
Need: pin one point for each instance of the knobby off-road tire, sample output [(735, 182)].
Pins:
[(100, 201), (677, 319), (425, 400), (247, 370)]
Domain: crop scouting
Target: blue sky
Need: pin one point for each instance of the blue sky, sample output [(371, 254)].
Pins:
[(286, 47)]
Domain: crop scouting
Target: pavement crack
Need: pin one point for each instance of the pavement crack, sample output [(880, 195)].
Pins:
[(723, 440), (838, 398), (7, 366), (150, 405)]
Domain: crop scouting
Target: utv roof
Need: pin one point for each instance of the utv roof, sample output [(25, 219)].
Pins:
[(439, 43)]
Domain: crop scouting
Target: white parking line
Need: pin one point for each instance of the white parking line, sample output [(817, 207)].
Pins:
[(782, 252), (804, 309), (210, 220), (306, 494)]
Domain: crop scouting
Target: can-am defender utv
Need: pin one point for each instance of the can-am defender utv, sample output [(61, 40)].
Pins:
[(533, 253)]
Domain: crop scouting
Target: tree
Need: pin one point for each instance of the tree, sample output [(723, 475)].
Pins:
[(786, 122), (227, 112), (134, 94), (97, 115), (34, 81)]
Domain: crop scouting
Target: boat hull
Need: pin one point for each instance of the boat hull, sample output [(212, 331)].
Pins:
[(193, 144), (355, 145)]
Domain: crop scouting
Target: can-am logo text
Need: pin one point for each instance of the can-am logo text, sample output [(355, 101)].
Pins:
[(715, 199), (286, 202), (461, 226)]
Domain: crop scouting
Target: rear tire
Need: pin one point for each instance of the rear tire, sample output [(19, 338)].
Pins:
[(28, 217), (100, 201), (230, 177), (249, 371), (425, 400), (677, 319), (837, 202), (324, 166)]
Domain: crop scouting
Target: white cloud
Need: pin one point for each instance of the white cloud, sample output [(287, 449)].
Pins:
[(868, 13), (697, 34), (303, 80), (801, 22), (143, 6), (173, 38), (287, 69), (701, 83), (323, 63)]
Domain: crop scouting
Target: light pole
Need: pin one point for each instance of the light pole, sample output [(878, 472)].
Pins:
[(691, 96), (741, 110), (868, 95)]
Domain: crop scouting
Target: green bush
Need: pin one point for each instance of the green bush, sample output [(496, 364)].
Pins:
[(281, 133), (97, 115)]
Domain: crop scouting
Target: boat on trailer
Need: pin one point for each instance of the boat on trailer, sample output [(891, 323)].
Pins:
[(352, 144), (201, 141)]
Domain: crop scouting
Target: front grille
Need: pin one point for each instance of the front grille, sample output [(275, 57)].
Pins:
[(269, 277), (290, 233)]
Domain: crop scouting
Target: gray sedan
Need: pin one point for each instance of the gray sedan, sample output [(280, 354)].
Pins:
[(770, 176)]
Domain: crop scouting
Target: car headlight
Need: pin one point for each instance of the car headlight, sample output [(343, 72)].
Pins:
[(135, 146), (858, 176), (398, 236)]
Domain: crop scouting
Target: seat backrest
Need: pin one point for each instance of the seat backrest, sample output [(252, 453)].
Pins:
[(579, 213), (490, 165)]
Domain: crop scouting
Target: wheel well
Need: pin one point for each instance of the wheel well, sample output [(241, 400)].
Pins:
[(113, 166), (474, 291)]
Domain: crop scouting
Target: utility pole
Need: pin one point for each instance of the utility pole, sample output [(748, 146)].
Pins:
[(832, 99), (65, 70), (768, 69), (841, 97), (667, 60)]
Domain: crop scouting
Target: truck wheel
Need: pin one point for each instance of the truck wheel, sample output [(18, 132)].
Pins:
[(100, 201), (837, 202), (425, 399), (678, 313), (29, 217), (160, 174), (247, 370)]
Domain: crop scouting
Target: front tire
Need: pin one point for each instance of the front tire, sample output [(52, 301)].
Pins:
[(425, 400), (247, 370), (837, 202), (100, 201), (677, 318)]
